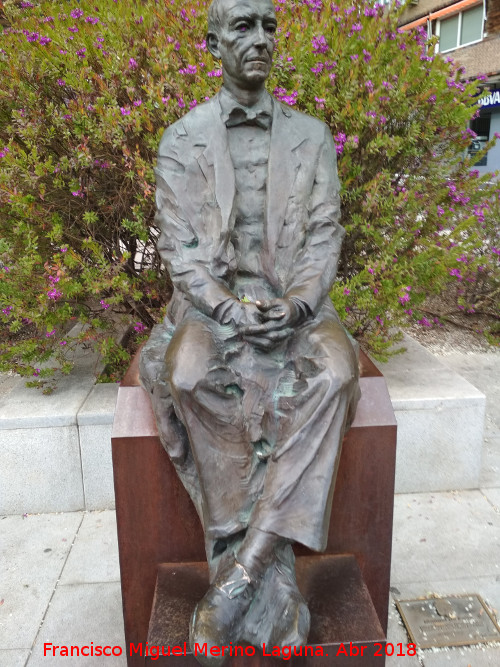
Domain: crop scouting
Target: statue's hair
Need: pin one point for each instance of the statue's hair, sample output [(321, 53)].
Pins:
[(214, 22)]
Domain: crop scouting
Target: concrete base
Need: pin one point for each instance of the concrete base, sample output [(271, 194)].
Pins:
[(56, 449), (56, 453), (440, 419)]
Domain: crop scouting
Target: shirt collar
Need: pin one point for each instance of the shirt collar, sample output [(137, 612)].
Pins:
[(228, 103)]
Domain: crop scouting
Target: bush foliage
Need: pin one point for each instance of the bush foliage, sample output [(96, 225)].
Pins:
[(89, 86)]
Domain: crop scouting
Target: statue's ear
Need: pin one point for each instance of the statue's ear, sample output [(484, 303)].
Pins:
[(213, 44)]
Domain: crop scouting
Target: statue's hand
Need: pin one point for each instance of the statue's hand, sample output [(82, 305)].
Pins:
[(267, 340), (241, 314), (280, 313), (278, 319)]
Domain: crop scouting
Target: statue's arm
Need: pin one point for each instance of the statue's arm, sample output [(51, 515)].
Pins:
[(315, 268), (185, 244)]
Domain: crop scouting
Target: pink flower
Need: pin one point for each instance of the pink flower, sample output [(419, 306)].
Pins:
[(54, 294), (319, 44)]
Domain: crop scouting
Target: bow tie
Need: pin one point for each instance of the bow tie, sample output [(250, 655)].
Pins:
[(241, 116)]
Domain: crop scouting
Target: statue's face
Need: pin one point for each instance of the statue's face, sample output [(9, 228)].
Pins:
[(245, 42)]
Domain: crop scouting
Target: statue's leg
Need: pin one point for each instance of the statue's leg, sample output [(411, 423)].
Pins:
[(316, 400), (313, 409), (222, 408), (220, 411)]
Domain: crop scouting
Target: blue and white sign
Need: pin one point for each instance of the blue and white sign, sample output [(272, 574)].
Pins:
[(491, 100)]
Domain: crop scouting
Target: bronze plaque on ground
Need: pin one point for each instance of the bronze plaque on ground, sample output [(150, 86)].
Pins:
[(457, 620)]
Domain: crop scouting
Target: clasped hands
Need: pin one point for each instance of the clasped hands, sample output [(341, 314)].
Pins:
[(264, 324)]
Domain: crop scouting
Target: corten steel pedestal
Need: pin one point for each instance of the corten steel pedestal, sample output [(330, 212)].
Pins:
[(157, 523)]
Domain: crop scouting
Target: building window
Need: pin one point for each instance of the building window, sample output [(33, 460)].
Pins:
[(461, 29), (481, 127)]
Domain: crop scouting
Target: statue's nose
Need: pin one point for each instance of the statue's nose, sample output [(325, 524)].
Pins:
[(260, 36)]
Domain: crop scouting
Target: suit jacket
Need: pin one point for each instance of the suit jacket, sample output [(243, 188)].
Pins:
[(195, 195)]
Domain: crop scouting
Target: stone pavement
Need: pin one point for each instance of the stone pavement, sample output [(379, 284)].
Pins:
[(60, 580)]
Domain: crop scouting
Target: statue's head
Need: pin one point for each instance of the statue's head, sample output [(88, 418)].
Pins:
[(241, 35)]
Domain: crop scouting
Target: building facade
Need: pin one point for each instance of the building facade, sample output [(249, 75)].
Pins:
[(468, 31)]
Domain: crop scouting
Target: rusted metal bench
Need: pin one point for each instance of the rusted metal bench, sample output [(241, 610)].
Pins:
[(161, 541)]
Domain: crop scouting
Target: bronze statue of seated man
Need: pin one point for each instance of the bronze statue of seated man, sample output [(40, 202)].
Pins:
[(253, 378)]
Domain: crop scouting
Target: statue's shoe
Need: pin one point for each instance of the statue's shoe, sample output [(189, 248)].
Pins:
[(279, 615), (218, 617)]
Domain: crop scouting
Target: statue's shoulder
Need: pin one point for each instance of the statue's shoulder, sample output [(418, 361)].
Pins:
[(303, 124), (193, 124)]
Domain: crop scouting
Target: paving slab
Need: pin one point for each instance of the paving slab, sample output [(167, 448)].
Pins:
[(24, 408), (417, 379), (41, 470), (490, 464), (439, 536), (13, 658), (95, 422), (94, 556), (440, 419), (462, 657), (33, 551), (487, 587), (396, 634), (482, 370), (439, 448), (99, 406), (477, 656), (493, 495), (97, 466), (78, 615), (7, 383)]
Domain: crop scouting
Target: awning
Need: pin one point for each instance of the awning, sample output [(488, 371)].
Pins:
[(447, 11), (453, 9), (415, 24)]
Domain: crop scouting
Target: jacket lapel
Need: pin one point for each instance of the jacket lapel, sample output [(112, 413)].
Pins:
[(283, 165), (215, 162)]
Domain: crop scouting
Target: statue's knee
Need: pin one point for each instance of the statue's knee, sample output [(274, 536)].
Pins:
[(342, 375), (183, 380)]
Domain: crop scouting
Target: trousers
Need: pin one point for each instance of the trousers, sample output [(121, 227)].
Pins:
[(265, 429)]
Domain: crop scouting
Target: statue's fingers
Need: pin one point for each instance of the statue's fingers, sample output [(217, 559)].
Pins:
[(260, 342), (254, 330), (281, 334), (275, 314), (265, 328), (265, 305)]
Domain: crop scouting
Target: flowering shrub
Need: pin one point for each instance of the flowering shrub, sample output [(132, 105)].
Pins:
[(87, 89)]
